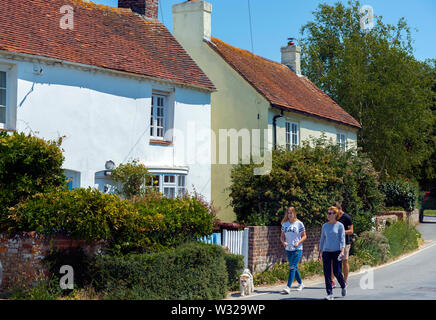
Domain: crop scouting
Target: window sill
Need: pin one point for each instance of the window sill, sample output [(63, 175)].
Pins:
[(161, 142), (9, 130)]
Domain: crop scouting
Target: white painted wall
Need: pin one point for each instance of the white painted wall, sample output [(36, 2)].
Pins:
[(106, 116)]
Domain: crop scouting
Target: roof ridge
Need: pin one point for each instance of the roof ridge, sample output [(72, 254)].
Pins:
[(281, 86), (256, 55)]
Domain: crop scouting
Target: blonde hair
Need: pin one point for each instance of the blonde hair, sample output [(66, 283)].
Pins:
[(286, 218)]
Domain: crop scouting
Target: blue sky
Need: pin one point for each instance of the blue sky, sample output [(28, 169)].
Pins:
[(273, 21)]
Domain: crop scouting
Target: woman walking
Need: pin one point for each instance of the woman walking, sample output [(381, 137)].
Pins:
[(292, 236), (332, 246)]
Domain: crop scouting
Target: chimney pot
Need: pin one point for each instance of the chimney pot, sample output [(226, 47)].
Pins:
[(147, 8)]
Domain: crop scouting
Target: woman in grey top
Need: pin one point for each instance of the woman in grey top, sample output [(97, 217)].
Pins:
[(331, 249)]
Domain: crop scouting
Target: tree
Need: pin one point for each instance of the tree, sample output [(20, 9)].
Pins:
[(428, 168), (374, 77), (310, 178)]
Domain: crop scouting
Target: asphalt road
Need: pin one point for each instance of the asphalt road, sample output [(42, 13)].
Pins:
[(412, 277)]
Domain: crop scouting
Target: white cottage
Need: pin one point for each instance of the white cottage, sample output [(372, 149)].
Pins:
[(114, 82)]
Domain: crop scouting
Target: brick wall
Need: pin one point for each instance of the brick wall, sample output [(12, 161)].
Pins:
[(21, 256), (265, 248), (393, 216)]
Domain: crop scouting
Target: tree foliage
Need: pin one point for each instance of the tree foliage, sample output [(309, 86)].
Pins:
[(132, 178), (28, 165), (310, 178), (374, 77)]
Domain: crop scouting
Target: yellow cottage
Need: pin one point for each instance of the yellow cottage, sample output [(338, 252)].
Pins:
[(255, 93)]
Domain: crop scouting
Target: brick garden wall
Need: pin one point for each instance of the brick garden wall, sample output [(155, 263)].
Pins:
[(265, 248), (392, 216), (21, 256)]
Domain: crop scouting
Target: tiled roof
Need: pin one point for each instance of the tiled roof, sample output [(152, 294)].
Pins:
[(103, 36), (281, 86)]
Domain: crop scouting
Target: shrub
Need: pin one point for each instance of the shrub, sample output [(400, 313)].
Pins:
[(84, 214), (193, 271), (402, 237), (400, 194), (235, 267), (28, 165), (372, 248), (309, 178), (149, 223), (133, 179), (170, 222)]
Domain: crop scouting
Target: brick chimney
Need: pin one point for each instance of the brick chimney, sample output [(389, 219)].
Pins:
[(148, 8), (291, 56)]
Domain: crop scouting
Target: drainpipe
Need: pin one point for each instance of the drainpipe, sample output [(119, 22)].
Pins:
[(275, 129)]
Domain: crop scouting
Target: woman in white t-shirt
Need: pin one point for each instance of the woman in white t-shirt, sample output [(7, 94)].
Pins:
[(292, 236)]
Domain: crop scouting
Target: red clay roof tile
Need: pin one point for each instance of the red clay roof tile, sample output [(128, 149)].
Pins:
[(103, 36), (281, 86)]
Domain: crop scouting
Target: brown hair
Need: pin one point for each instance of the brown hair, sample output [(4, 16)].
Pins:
[(286, 218), (335, 210), (339, 206)]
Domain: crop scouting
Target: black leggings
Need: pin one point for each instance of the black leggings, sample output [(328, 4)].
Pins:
[(329, 258)]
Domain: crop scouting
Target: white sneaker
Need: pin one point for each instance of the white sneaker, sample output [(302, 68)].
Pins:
[(329, 297), (300, 287), (287, 290)]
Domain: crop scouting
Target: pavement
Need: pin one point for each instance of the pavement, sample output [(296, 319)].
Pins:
[(409, 277)]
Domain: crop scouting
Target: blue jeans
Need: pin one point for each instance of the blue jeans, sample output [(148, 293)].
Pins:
[(293, 258), (329, 259)]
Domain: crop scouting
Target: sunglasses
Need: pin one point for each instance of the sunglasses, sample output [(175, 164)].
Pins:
[(329, 212)]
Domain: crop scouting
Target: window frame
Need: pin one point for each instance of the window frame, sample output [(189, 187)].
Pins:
[(153, 116), (290, 134), (162, 185), (341, 144), (4, 125)]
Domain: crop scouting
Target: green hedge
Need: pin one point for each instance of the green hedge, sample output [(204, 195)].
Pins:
[(28, 165), (235, 267), (193, 271), (149, 224), (400, 194), (170, 222), (310, 178), (84, 214)]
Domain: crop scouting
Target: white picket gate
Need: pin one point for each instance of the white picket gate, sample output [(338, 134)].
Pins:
[(237, 242)]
